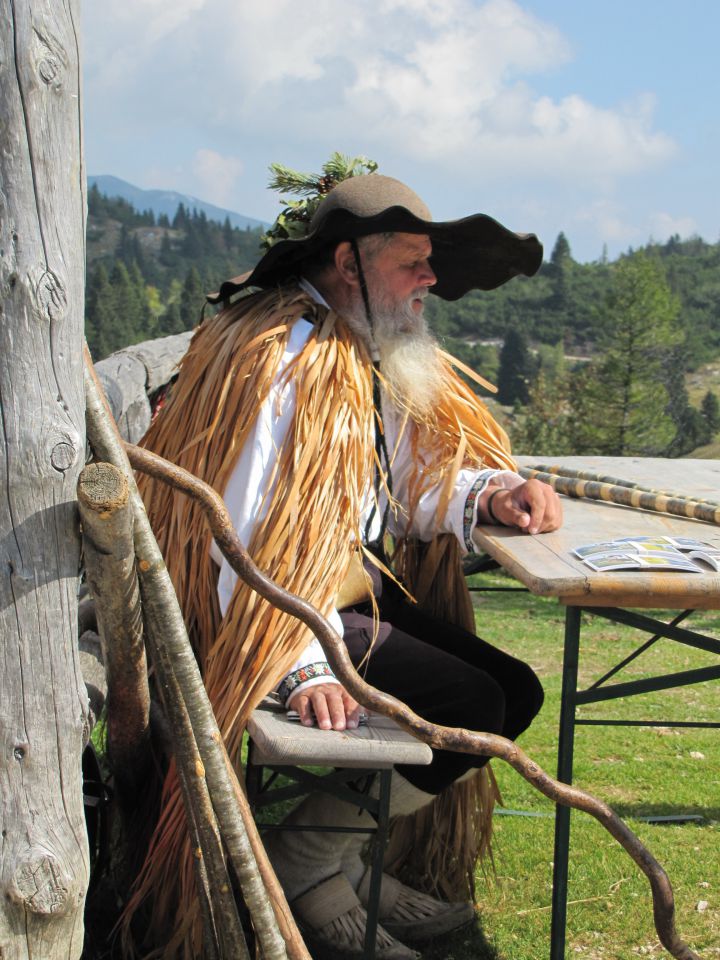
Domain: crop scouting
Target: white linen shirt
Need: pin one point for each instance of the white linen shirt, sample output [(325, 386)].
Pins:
[(245, 492)]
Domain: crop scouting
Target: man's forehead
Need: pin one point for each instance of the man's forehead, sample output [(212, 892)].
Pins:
[(417, 244)]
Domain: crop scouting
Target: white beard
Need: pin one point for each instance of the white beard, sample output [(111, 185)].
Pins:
[(409, 363)]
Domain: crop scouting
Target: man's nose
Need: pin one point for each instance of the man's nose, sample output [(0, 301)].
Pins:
[(427, 275)]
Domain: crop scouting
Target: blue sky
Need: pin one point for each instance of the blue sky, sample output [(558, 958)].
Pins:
[(598, 119)]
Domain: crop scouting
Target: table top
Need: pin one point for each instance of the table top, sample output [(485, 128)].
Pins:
[(545, 563)]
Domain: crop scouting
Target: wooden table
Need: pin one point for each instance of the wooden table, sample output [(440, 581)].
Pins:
[(546, 566)]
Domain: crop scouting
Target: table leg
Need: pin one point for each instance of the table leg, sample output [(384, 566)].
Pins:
[(378, 844), (565, 769)]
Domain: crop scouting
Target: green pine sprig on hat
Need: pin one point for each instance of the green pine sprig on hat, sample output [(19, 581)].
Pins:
[(293, 221)]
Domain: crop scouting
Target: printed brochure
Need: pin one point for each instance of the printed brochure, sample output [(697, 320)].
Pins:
[(651, 553)]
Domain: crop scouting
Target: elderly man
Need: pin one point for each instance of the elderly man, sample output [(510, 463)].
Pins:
[(330, 419)]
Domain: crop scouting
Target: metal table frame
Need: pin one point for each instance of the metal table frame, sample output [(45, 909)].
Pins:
[(599, 691)]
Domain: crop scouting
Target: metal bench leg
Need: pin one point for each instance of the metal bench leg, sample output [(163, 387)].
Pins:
[(377, 859), (565, 770), (253, 778)]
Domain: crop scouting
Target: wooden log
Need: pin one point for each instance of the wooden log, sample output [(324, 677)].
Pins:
[(220, 915), (166, 628), (128, 378), (44, 863), (161, 358), (124, 382), (107, 521)]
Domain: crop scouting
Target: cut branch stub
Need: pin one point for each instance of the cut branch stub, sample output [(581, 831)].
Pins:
[(103, 489)]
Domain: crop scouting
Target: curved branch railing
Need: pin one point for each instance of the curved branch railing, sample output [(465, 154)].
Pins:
[(460, 740)]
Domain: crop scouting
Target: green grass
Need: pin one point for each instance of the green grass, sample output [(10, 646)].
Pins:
[(639, 771), (710, 451)]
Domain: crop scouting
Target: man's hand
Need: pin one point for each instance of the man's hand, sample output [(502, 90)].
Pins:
[(328, 703), (533, 507)]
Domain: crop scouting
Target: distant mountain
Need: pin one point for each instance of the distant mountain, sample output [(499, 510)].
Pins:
[(167, 202)]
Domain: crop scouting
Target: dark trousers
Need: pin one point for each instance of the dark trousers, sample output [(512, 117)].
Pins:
[(446, 675)]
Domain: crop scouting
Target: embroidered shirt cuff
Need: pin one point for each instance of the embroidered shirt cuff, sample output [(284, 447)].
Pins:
[(470, 511), (507, 479), (309, 675)]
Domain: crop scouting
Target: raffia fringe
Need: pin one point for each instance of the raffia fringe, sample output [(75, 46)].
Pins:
[(326, 466), (437, 849), (232, 363)]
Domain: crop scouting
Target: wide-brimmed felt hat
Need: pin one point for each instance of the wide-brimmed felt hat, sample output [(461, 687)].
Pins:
[(475, 252)]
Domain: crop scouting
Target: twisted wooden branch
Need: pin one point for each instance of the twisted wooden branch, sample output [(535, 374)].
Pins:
[(446, 738), (626, 496)]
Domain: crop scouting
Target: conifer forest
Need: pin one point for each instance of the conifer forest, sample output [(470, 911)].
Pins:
[(621, 337)]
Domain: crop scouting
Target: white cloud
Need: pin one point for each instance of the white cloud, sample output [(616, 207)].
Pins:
[(121, 38), (441, 81), (216, 175), (609, 221), (613, 223), (663, 226)]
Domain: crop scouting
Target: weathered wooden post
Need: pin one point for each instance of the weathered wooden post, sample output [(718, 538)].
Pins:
[(43, 703)]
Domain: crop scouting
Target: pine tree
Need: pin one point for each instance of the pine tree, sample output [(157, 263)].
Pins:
[(144, 320), (561, 251), (170, 322), (95, 201), (543, 427), (516, 369), (228, 235), (193, 245), (181, 219), (625, 395), (167, 254), (691, 431), (559, 303), (129, 249), (192, 300), (99, 314), (710, 411)]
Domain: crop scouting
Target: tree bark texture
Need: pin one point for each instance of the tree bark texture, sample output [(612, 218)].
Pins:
[(107, 520), (43, 701)]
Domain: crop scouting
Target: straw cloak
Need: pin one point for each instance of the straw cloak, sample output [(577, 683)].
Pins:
[(310, 531)]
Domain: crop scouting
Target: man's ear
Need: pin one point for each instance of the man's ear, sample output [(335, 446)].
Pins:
[(345, 263)]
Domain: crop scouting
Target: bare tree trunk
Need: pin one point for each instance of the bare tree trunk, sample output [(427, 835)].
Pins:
[(43, 702)]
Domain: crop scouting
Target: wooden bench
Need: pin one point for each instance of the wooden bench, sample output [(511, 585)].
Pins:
[(283, 746)]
